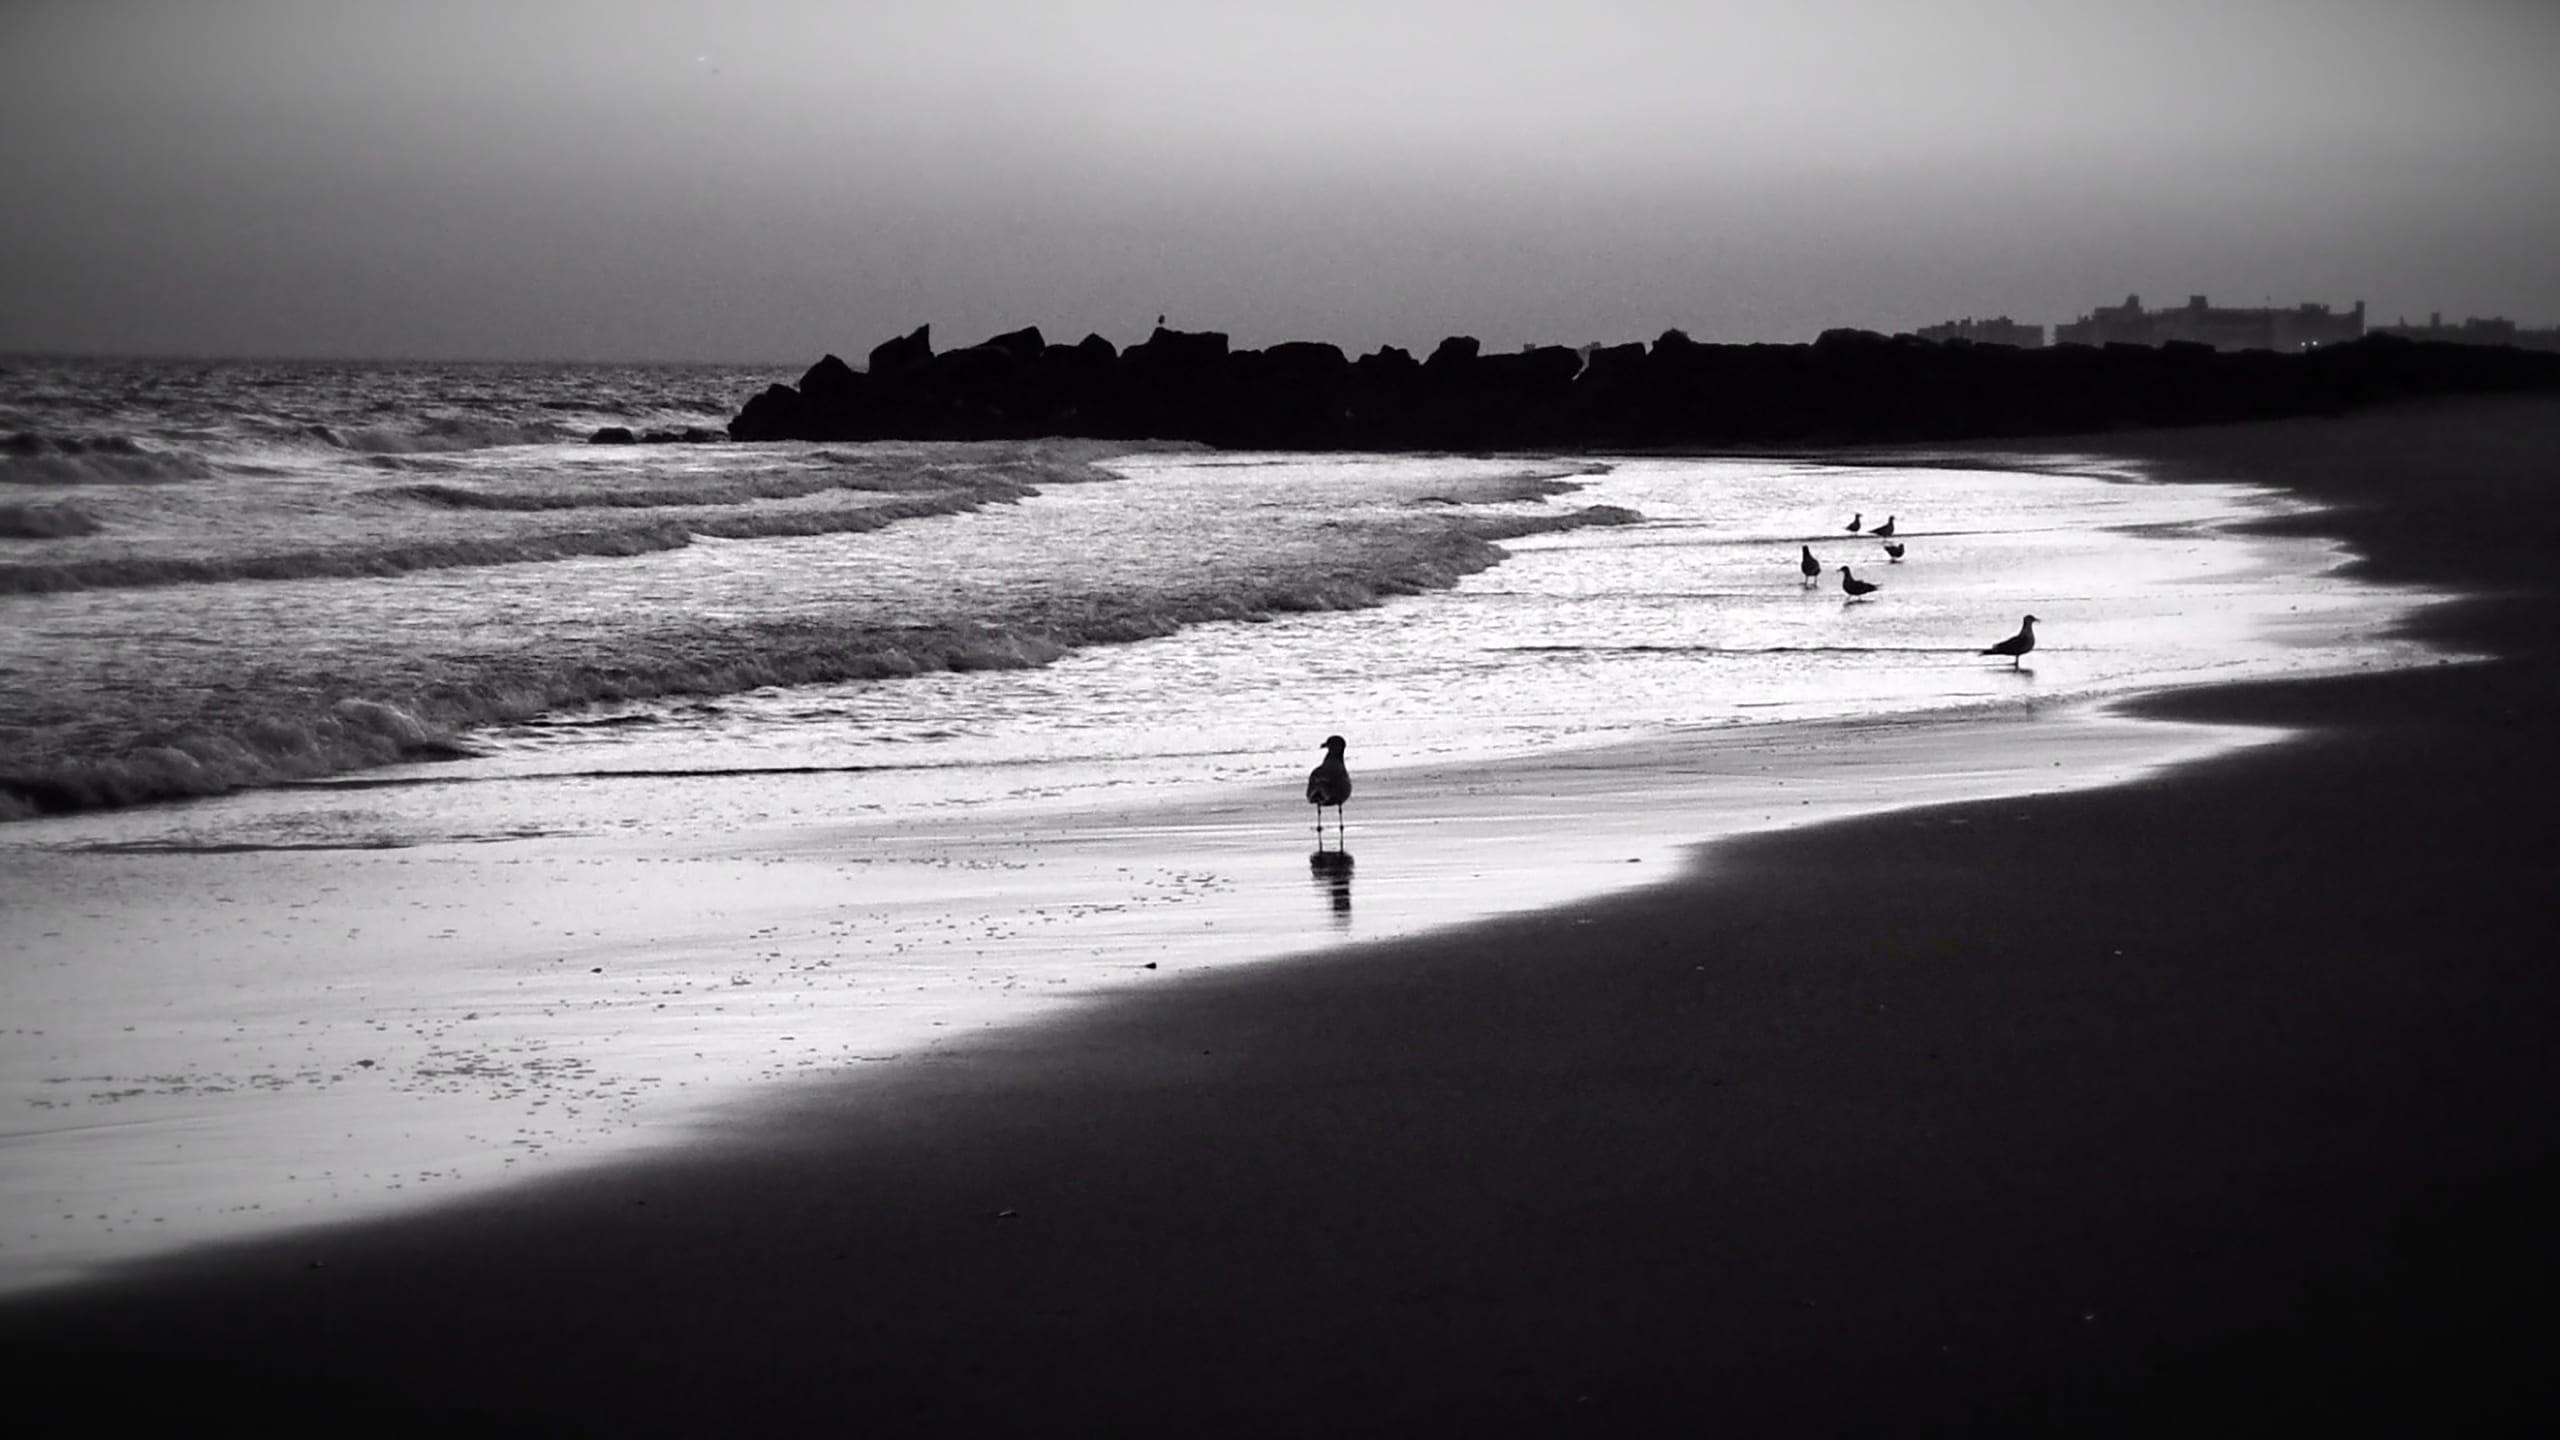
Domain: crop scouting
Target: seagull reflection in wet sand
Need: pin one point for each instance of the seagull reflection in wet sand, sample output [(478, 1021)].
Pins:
[(1332, 872)]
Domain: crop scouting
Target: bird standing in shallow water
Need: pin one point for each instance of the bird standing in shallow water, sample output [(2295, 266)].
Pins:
[(1857, 522), (1893, 552), (1885, 530), (2016, 646), (1857, 589), (1811, 567), (1329, 784)]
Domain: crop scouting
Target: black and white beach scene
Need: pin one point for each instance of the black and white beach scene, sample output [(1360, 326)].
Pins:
[(1146, 718)]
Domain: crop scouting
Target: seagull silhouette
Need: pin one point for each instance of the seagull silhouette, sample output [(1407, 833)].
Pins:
[(2016, 646), (1892, 550), (1885, 530), (1857, 522), (1858, 589), (1329, 784), (1811, 567)]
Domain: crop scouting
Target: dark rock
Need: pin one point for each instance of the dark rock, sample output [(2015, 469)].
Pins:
[(1846, 341), (893, 360), (776, 414), (1295, 393), (1174, 351), (982, 390), (1307, 357), (613, 435), (1610, 366), (1387, 360), (1677, 358), (1174, 386), (1550, 367), (1024, 344), (1849, 385), (1452, 354), (831, 388)]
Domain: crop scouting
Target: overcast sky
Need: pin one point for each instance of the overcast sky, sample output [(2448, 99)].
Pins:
[(770, 179)]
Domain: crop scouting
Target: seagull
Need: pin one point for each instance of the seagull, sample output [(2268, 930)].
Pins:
[(1329, 784), (1856, 587), (1857, 522), (2016, 645), (1811, 567), (1892, 550), (1885, 530)]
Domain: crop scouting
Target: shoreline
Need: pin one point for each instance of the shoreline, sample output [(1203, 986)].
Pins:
[(448, 1016), (1847, 1126), (623, 1000)]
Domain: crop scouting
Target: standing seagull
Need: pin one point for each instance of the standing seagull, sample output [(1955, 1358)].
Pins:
[(1858, 589), (2016, 645), (1892, 551), (1329, 784), (1811, 567), (1885, 530), (1857, 522)]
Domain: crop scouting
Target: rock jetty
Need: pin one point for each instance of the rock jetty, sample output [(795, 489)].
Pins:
[(1849, 386)]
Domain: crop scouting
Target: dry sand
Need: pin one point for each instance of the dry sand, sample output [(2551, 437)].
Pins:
[(2204, 1102)]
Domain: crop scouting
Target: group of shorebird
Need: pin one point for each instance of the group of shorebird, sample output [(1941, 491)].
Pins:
[(1851, 584), (2015, 647), (1329, 784)]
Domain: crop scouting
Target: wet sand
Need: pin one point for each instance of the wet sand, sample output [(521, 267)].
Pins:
[(213, 1036), (2209, 1101)]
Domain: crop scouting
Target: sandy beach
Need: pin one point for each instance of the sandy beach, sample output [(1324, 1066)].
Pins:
[(2208, 1101)]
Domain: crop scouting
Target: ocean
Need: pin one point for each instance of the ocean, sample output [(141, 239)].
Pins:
[(399, 793)]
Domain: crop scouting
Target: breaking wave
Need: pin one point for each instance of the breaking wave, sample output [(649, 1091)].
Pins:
[(722, 490), (31, 459), (641, 537), (44, 522), (444, 434), (271, 733)]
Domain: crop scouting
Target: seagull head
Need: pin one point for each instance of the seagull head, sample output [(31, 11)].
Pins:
[(1333, 744)]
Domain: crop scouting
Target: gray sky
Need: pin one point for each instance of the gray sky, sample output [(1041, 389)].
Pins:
[(770, 179)]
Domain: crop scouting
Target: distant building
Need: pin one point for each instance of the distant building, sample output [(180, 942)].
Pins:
[(2001, 331), (2475, 331), (2303, 327)]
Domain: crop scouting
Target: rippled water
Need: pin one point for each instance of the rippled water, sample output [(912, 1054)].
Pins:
[(293, 573), (1693, 617)]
